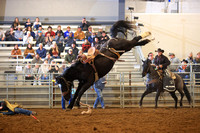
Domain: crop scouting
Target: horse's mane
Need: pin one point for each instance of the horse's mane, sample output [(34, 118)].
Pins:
[(120, 26)]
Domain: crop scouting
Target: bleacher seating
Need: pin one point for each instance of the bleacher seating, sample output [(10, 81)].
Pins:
[(124, 88)]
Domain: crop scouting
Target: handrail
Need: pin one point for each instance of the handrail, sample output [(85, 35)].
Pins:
[(21, 42)]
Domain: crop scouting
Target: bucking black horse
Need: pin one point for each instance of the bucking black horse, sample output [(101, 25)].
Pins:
[(85, 72)]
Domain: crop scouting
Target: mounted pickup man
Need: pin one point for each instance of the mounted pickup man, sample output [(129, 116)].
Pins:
[(161, 63)]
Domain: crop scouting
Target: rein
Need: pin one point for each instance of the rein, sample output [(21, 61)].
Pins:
[(154, 78)]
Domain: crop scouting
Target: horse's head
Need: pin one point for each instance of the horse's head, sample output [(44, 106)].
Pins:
[(65, 86), (146, 67)]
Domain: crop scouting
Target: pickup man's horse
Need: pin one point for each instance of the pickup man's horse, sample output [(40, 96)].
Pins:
[(86, 73), (155, 84)]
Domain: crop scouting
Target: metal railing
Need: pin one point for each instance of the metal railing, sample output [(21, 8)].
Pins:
[(122, 90)]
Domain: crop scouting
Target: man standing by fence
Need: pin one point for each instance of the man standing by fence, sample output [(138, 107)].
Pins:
[(99, 86)]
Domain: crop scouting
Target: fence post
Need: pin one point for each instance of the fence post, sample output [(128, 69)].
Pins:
[(120, 83)]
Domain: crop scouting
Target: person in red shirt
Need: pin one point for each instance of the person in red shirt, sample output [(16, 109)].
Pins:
[(52, 33), (86, 45)]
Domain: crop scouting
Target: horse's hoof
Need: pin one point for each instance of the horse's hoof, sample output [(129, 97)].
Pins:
[(68, 109), (146, 34), (76, 107), (140, 106)]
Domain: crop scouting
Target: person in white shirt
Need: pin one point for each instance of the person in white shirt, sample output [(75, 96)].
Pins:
[(28, 39), (37, 23)]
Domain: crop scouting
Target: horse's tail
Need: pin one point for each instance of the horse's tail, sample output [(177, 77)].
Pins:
[(187, 93), (120, 26)]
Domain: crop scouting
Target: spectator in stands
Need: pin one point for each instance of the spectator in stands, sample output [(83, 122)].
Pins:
[(19, 34), (60, 31), (69, 40), (2, 35), (16, 52), (29, 52), (53, 68), (85, 46), (37, 74), (37, 23), (184, 68), (59, 41), (28, 23), (15, 23), (40, 30), (151, 57), (174, 62), (41, 51), (66, 34), (11, 109), (197, 68), (63, 67), (10, 35), (190, 58), (40, 38), (99, 85), (91, 38), (70, 57), (99, 33), (48, 40), (104, 37), (89, 32), (52, 33), (96, 43), (31, 31), (84, 24), (49, 58), (37, 59), (74, 49), (44, 69), (28, 39), (54, 51), (79, 35), (28, 71)]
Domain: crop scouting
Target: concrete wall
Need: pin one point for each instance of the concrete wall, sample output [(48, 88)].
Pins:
[(177, 33), (106, 10), (185, 6)]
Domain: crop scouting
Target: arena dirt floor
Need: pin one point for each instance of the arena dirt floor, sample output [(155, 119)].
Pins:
[(112, 120)]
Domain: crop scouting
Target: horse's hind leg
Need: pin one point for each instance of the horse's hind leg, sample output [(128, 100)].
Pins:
[(175, 98), (143, 42), (182, 95), (143, 95)]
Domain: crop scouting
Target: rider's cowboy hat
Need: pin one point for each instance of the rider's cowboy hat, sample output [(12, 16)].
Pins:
[(159, 50), (184, 61)]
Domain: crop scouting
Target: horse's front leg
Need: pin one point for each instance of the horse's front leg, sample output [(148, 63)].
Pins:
[(156, 99), (82, 91), (70, 106), (147, 91)]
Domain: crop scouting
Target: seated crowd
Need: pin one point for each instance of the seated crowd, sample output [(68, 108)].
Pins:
[(33, 33)]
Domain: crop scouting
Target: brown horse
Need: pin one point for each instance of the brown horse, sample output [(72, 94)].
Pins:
[(157, 85)]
